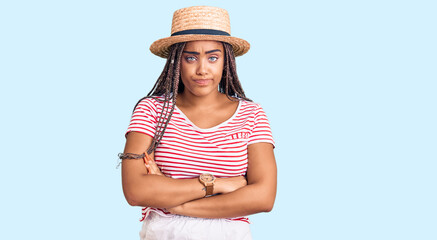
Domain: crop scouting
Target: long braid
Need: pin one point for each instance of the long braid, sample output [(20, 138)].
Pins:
[(168, 85), (231, 86), (172, 83)]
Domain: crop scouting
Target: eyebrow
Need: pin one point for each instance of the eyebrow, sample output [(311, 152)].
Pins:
[(197, 53)]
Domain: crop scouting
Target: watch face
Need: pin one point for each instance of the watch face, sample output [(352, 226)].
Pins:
[(207, 177)]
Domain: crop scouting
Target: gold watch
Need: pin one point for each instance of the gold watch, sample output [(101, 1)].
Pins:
[(207, 179)]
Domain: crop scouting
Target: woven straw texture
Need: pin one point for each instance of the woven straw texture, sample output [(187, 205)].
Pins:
[(199, 17)]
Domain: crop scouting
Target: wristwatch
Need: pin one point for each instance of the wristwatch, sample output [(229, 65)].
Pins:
[(207, 179)]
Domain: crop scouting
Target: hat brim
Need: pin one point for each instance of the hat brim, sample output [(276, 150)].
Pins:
[(161, 47)]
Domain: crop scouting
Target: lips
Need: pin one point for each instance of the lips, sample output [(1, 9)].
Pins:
[(202, 82)]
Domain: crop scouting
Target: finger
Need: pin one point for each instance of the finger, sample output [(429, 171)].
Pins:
[(148, 157), (146, 163), (156, 169), (149, 170), (153, 164)]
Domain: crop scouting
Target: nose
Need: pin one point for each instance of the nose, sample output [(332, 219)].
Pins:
[(201, 68)]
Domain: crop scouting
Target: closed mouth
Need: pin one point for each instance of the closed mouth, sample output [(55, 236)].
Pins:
[(202, 81)]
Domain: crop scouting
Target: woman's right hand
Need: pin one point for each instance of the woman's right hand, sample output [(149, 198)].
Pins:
[(227, 185), (151, 166)]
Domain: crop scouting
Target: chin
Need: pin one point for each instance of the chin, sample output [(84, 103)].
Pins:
[(203, 92)]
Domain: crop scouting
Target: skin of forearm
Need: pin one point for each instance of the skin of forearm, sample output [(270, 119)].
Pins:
[(164, 192), (161, 192), (248, 200)]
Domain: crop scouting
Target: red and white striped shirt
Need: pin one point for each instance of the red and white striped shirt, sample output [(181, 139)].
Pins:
[(186, 151)]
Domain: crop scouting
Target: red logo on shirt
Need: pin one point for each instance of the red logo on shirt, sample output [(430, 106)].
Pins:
[(240, 135)]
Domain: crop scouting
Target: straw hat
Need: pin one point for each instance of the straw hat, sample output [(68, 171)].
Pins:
[(199, 23)]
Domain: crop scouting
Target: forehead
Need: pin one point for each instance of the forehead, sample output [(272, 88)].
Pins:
[(203, 46)]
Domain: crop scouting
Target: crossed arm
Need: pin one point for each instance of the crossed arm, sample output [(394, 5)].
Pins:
[(185, 196)]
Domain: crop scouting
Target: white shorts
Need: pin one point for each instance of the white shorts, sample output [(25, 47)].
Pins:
[(159, 227)]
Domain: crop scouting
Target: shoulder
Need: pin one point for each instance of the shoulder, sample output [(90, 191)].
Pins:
[(149, 103), (248, 106), (253, 111)]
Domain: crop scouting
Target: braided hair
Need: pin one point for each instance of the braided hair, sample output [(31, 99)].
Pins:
[(169, 84)]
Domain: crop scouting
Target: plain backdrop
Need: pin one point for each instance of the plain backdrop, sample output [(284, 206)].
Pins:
[(349, 88)]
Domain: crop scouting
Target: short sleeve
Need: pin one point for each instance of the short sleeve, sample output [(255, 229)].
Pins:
[(144, 118), (261, 131)]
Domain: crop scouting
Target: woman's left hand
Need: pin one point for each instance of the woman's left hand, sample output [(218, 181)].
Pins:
[(152, 167)]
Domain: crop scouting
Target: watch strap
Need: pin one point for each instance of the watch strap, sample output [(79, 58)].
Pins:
[(209, 189)]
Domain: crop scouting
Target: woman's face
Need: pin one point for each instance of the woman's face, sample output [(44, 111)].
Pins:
[(202, 67)]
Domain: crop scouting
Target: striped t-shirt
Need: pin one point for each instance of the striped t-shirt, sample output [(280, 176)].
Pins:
[(186, 151)]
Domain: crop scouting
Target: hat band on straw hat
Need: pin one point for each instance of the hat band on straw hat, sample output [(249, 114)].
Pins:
[(201, 32)]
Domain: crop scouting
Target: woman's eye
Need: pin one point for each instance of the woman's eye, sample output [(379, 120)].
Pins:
[(190, 59), (213, 59)]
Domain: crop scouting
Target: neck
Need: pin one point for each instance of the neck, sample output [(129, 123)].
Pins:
[(190, 100)]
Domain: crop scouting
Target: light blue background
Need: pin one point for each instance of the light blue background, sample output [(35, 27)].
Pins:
[(349, 88)]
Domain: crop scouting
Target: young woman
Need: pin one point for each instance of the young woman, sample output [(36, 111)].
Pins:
[(199, 154)]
